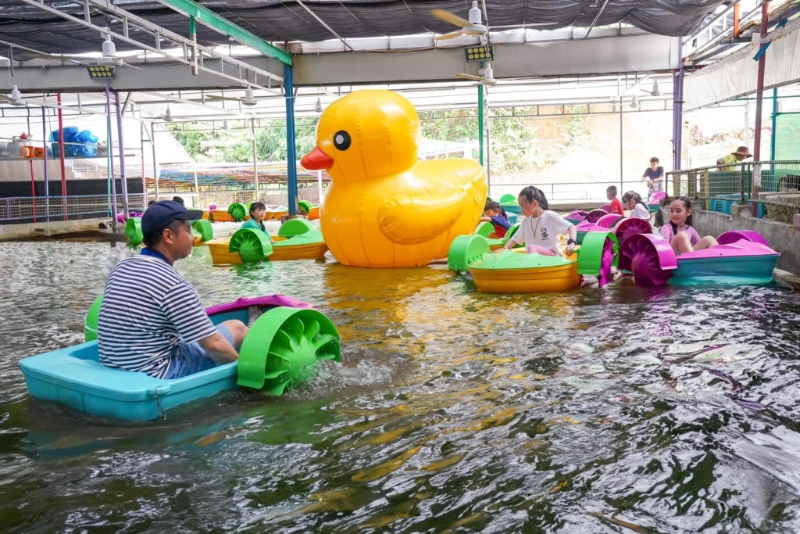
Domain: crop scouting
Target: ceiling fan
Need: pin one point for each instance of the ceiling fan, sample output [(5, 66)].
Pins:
[(167, 116), (486, 79), (473, 26), (655, 91), (14, 98), (248, 99)]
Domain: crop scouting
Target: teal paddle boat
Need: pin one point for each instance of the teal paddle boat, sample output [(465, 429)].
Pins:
[(279, 353)]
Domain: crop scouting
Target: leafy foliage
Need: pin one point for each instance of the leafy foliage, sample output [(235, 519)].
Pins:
[(512, 132)]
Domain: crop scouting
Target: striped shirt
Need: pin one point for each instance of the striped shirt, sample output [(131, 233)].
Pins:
[(148, 310)]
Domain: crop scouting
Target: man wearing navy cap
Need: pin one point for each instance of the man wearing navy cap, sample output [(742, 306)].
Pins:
[(151, 319)]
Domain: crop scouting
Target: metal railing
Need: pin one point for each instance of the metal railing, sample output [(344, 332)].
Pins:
[(57, 208), (770, 183), (271, 196), (579, 192)]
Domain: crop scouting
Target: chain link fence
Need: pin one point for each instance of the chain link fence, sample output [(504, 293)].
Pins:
[(774, 186), (17, 210)]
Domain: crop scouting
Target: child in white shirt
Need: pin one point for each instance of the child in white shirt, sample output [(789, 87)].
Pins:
[(540, 227), (633, 201)]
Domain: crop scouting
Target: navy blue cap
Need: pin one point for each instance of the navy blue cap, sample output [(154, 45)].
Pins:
[(161, 214)]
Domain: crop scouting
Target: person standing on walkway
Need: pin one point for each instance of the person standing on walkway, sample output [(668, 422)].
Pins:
[(654, 176)]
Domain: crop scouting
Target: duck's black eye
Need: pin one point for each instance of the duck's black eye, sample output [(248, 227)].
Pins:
[(341, 140)]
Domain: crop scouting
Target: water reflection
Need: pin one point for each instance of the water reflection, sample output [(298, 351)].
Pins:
[(595, 411)]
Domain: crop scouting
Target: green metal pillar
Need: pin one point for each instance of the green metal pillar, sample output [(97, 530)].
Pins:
[(774, 136), (291, 147), (480, 123), (193, 37)]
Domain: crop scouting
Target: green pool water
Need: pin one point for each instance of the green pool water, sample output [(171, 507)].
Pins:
[(451, 411)]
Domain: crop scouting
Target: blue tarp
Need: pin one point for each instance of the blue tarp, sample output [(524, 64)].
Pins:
[(77, 144)]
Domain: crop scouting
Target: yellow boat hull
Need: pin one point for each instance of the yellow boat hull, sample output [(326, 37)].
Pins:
[(313, 251), (220, 255), (537, 280)]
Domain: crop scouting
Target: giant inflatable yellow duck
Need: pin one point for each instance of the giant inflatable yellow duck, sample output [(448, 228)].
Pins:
[(386, 208)]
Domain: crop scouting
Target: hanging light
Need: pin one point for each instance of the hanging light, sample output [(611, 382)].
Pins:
[(634, 102), (168, 115), (225, 125), (318, 106), (488, 74), (109, 51), (16, 97), (655, 91), (475, 13), (109, 48), (248, 99)]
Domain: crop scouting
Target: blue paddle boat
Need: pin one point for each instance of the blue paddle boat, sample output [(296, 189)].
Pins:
[(280, 350)]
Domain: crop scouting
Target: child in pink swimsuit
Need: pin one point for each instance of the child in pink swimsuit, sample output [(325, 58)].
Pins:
[(679, 231)]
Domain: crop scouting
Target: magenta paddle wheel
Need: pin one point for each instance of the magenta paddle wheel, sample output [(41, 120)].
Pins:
[(650, 259), (606, 262), (594, 216), (608, 220), (629, 227)]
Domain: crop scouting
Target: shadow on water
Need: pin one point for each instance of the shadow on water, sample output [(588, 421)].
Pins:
[(612, 410)]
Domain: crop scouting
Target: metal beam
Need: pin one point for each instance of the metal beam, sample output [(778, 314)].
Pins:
[(157, 31), (153, 77), (324, 24), (634, 53), (208, 18), (595, 20)]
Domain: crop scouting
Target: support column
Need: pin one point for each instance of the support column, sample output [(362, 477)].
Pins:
[(142, 130), (110, 162), (155, 162), (480, 123), (255, 157), (621, 172), (121, 138), (677, 114), (61, 157), (774, 136), (759, 106), (44, 161), (291, 149)]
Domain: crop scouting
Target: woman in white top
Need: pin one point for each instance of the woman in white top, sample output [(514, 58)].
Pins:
[(638, 209), (540, 227)]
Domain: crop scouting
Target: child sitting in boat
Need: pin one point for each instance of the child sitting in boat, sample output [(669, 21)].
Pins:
[(632, 201), (679, 231), (256, 221), (616, 205), (540, 227), (495, 214)]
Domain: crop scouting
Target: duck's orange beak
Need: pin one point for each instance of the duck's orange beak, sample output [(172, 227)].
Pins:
[(316, 160)]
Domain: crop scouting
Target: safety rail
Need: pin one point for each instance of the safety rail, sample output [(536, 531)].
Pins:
[(56, 208), (271, 196), (768, 183), (561, 193)]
